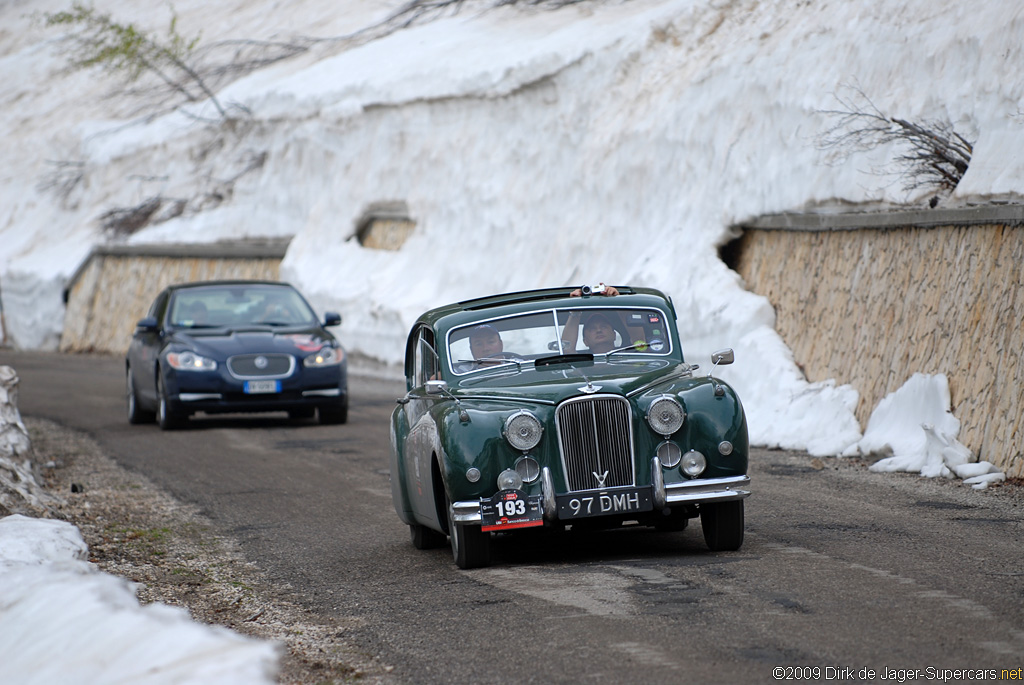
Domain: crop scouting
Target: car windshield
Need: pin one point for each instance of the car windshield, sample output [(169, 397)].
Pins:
[(554, 333), (239, 305)]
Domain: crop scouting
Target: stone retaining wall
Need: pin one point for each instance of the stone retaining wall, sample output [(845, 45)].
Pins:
[(870, 300), (115, 287)]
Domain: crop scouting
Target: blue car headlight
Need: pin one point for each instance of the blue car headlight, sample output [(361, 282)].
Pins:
[(190, 361), (326, 356)]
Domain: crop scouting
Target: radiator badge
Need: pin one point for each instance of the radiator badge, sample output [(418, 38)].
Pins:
[(601, 477)]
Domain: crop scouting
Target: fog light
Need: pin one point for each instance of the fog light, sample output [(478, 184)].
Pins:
[(694, 463), (528, 469), (473, 474), (669, 454), (725, 448), (509, 480)]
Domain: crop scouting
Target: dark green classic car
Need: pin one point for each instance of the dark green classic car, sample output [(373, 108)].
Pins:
[(539, 408)]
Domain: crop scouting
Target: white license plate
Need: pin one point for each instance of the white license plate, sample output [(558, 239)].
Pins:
[(262, 387)]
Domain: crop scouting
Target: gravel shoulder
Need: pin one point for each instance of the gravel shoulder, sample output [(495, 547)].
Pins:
[(173, 554)]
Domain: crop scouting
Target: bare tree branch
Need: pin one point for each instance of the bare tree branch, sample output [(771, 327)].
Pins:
[(936, 157)]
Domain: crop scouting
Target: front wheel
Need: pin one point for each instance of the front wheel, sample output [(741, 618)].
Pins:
[(165, 417), (722, 523), (136, 414), (335, 414), (471, 547), (426, 538)]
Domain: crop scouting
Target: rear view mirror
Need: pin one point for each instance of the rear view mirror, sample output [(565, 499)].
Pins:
[(148, 324), (332, 319), (436, 387), (723, 357)]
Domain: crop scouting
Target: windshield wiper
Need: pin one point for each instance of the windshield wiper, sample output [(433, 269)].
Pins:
[(493, 362), (635, 346), (564, 359)]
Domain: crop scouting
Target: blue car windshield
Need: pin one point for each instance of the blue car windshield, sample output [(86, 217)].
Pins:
[(239, 305), (558, 332)]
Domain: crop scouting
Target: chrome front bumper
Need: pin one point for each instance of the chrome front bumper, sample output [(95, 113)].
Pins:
[(689, 492)]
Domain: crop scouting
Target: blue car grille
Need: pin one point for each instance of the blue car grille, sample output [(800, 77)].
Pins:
[(595, 438), (261, 365)]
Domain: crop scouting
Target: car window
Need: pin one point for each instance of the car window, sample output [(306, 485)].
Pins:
[(234, 305), (492, 342), (425, 364)]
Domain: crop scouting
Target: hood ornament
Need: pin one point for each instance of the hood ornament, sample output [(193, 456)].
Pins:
[(589, 388)]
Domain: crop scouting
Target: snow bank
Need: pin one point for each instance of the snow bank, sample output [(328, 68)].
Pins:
[(63, 621)]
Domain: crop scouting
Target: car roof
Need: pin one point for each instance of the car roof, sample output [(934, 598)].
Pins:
[(526, 300), (231, 282)]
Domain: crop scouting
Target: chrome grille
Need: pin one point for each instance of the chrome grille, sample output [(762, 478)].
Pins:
[(261, 365), (595, 434)]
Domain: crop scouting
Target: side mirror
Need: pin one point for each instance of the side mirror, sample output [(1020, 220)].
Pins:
[(148, 324), (437, 387), (723, 357), (332, 319)]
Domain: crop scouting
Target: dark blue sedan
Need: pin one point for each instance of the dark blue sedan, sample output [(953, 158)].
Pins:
[(234, 346)]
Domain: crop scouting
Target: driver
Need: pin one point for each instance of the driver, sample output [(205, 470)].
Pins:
[(487, 348), (485, 344)]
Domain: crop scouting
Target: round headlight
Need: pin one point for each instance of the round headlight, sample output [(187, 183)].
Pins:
[(666, 415), (694, 463), (528, 469), (523, 430), (472, 474), (669, 454), (725, 448), (509, 480)]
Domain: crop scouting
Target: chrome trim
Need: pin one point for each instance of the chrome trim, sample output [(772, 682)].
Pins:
[(291, 367), (708, 490), (197, 396), (499, 398), (550, 505), (554, 310), (657, 484), (625, 470), (466, 512), (682, 373), (328, 392)]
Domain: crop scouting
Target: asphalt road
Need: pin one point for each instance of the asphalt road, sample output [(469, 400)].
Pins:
[(842, 569)]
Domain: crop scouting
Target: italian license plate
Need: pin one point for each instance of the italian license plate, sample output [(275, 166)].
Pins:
[(604, 503), (262, 387), (510, 509)]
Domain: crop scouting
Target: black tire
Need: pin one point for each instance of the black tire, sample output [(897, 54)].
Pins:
[(471, 547), (426, 538), (722, 523), (136, 414), (301, 413), (165, 417), (676, 520), (334, 415)]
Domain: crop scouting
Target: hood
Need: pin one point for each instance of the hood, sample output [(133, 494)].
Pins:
[(221, 343), (560, 381)]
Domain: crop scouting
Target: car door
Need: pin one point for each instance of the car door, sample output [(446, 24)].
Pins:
[(145, 351), (422, 439)]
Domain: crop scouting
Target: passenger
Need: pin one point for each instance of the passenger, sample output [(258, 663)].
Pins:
[(599, 334), (599, 340)]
